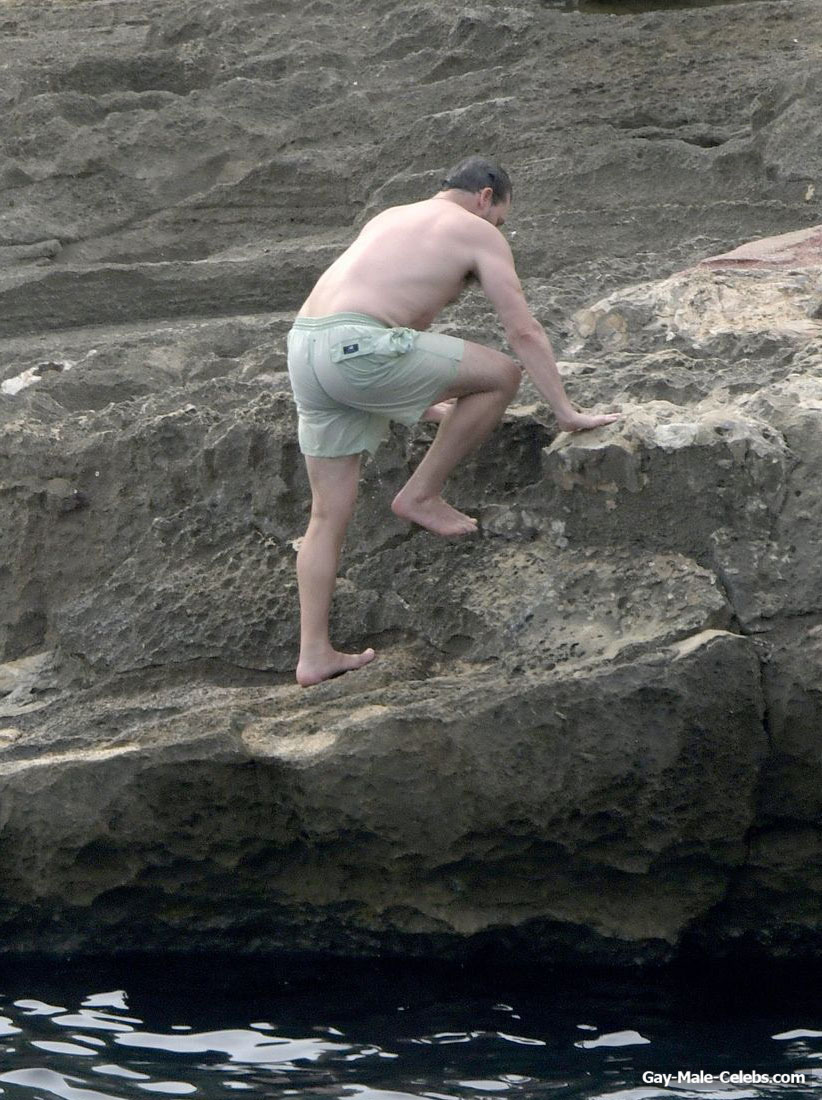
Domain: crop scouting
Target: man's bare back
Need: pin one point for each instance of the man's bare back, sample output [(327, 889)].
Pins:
[(409, 262), (406, 265)]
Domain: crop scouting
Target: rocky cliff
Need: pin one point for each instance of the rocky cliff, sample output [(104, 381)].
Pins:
[(591, 734)]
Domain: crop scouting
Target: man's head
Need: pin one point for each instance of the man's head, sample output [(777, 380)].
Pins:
[(486, 182)]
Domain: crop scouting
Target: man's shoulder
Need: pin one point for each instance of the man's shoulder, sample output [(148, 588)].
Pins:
[(462, 223), (444, 221), (481, 236)]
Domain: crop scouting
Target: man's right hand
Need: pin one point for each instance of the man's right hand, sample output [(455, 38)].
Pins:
[(579, 422)]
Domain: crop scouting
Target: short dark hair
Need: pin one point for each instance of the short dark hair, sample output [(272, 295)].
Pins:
[(475, 173)]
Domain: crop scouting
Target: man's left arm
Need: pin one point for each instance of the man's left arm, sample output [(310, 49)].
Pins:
[(499, 281)]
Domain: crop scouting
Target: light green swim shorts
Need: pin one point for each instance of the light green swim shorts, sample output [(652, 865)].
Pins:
[(352, 374)]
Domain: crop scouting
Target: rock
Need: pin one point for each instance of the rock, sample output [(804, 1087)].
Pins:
[(773, 909), (23, 672), (711, 310), (782, 121), (614, 797), (138, 292), (637, 481), (800, 249), (61, 496), (589, 734), (21, 679), (509, 523), (535, 606), (792, 675), (39, 250), (777, 572)]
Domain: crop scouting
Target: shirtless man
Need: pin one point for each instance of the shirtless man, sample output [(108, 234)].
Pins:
[(359, 357)]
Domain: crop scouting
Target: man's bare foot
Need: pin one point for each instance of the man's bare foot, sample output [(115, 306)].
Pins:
[(313, 670), (438, 412), (434, 514)]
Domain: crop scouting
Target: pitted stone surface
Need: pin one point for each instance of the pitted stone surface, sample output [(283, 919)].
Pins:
[(589, 734), (420, 815)]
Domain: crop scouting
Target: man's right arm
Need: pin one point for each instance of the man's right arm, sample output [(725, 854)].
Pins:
[(498, 278)]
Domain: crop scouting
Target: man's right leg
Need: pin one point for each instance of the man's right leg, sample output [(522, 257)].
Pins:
[(334, 484), (485, 384)]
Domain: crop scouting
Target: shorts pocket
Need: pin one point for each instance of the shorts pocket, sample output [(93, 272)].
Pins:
[(353, 348), (384, 344)]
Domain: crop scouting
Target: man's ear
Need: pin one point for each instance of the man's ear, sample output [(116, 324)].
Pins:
[(487, 197)]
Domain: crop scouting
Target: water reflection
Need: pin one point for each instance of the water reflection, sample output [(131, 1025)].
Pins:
[(37, 1008), (241, 1046), (333, 1033), (613, 1039), (63, 1048), (53, 1082)]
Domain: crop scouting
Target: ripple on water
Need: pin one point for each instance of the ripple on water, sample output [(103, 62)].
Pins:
[(377, 1040), (239, 1044)]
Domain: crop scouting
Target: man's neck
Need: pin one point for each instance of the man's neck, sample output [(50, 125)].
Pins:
[(464, 199)]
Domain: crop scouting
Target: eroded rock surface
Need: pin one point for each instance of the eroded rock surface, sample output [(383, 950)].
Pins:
[(593, 732)]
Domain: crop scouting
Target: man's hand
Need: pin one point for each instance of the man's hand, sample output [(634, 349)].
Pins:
[(578, 422)]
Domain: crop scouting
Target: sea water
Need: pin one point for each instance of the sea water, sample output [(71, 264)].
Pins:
[(215, 1027)]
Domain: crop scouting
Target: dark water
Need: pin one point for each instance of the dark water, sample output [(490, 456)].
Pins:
[(217, 1028)]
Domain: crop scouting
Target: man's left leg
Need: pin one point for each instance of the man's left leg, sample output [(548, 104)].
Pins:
[(486, 382), (437, 413), (334, 484)]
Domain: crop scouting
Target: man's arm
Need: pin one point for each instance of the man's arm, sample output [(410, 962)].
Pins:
[(499, 281)]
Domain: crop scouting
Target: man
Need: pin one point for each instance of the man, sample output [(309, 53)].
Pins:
[(359, 357)]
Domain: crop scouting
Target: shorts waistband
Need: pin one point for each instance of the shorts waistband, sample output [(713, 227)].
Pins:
[(331, 320)]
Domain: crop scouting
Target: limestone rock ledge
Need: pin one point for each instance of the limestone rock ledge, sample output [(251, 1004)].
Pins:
[(592, 810), (593, 732)]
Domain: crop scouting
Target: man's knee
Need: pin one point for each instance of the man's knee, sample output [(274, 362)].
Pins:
[(334, 485), (334, 511), (511, 376), (485, 370)]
